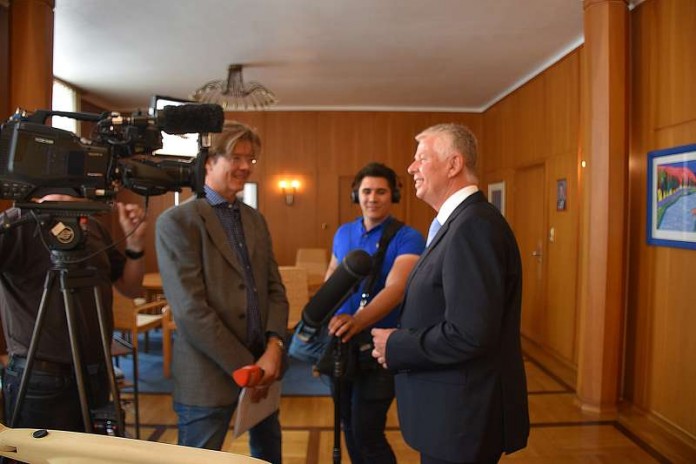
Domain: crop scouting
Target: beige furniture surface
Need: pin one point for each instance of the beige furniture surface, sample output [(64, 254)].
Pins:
[(315, 261), (297, 290)]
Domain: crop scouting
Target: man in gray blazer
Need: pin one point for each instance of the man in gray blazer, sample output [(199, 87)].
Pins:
[(222, 282), (460, 384)]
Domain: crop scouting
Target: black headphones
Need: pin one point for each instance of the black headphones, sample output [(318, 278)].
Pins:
[(376, 170)]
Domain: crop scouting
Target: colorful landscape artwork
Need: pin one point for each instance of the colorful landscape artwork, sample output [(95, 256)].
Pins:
[(672, 197)]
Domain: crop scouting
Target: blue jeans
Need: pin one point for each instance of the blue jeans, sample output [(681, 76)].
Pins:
[(365, 402), (206, 427)]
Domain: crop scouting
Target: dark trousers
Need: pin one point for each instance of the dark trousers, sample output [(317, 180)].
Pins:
[(431, 460), (365, 401), (52, 400)]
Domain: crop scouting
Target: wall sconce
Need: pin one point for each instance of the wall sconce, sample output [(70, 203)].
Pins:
[(289, 189)]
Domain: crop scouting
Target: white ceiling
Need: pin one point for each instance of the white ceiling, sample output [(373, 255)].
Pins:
[(453, 55)]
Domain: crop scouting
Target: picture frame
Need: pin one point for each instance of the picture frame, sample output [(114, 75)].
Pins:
[(671, 215), (561, 194), (250, 194), (496, 195)]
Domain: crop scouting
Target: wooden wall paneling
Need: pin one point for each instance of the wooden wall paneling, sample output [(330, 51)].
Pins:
[(674, 318), (5, 110), (661, 352), (530, 133), (290, 154), (672, 380), (561, 132), (403, 128), (561, 258), (492, 134), (347, 210), (562, 104), (31, 54), (327, 161), (639, 341), (676, 36), (509, 132)]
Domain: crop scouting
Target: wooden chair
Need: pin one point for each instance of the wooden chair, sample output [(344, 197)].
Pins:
[(315, 261), (134, 319), (121, 347), (168, 327), (297, 291)]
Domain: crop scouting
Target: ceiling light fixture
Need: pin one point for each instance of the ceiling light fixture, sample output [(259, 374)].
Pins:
[(234, 94)]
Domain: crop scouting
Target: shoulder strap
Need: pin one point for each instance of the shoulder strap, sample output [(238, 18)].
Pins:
[(389, 232)]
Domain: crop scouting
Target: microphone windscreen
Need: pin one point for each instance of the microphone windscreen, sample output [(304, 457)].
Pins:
[(191, 118), (248, 376), (355, 266)]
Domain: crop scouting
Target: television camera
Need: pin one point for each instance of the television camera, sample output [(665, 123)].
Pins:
[(36, 159)]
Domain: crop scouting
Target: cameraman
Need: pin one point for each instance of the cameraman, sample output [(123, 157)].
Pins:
[(52, 399)]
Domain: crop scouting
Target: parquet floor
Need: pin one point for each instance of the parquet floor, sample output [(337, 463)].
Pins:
[(561, 433)]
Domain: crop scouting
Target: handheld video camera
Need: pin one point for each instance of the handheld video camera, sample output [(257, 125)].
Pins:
[(37, 160)]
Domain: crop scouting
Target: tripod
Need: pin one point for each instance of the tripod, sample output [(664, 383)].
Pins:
[(339, 368), (72, 279)]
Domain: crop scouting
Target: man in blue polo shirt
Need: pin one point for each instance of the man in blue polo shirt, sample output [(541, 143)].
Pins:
[(366, 398)]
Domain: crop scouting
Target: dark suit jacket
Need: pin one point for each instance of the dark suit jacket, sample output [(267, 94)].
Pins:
[(460, 383), (203, 281)]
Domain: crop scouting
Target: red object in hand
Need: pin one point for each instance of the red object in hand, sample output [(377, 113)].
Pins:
[(248, 376)]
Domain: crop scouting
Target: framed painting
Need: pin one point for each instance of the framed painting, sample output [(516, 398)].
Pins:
[(672, 197), (561, 194), (496, 195)]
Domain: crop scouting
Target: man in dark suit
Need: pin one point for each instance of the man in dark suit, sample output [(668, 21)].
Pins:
[(227, 298), (460, 384)]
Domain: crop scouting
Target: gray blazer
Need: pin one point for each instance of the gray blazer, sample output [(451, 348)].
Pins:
[(203, 281)]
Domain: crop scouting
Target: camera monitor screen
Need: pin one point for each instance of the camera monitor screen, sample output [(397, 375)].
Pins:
[(174, 144)]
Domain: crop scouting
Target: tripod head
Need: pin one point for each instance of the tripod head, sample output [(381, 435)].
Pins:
[(63, 225)]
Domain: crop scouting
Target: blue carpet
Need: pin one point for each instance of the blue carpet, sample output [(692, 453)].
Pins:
[(298, 380)]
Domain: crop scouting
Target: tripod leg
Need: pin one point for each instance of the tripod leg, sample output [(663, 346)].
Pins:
[(33, 345), (106, 345), (337, 380), (77, 361)]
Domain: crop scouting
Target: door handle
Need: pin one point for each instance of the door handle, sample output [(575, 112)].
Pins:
[(538, 254)]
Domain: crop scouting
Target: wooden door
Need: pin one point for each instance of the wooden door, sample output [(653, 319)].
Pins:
[(528, 203)]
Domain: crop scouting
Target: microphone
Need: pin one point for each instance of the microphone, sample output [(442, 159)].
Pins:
[(248, 376), (355, 266), (184, 119)]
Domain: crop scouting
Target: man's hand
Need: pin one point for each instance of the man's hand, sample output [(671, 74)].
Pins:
[(379, 339), (130, 217), (345, 326), (271, 363)]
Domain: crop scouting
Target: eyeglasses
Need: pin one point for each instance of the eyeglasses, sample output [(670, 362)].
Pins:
[(237, 160)]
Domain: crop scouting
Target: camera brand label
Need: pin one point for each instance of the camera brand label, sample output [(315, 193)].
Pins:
[(63, 233), (43, 140)]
